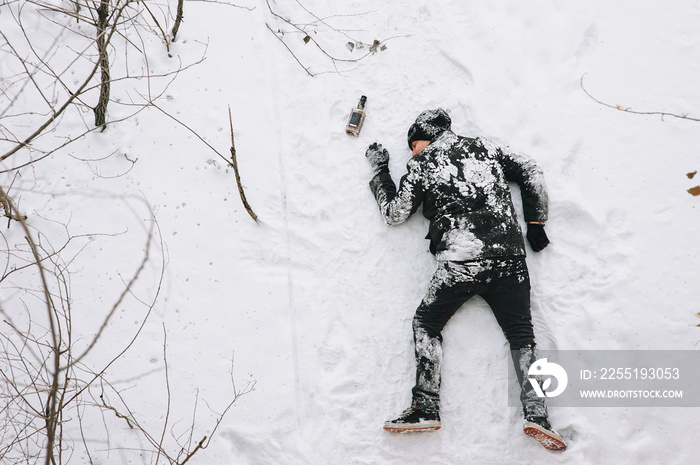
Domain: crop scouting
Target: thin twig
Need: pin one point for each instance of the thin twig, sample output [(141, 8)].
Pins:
[(302, 29), (199, 446), (117, 304), (155, 21), (116, 412), (234, 164), (290, 51), (168, 396), (225, 3), (7, 207), (228, 162), (629, 110)]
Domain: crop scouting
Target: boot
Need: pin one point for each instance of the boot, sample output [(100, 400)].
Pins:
[(540, 429), (536, 423), (415, 419)]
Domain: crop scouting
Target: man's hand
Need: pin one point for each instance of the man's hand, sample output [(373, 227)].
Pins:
[(536, 236), (378, 158)]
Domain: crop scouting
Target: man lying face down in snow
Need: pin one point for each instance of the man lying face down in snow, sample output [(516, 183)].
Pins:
[(462, 184)]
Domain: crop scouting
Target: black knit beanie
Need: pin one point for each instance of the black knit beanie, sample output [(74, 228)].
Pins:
[(429, 125)]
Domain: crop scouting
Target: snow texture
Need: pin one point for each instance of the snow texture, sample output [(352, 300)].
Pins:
[(317, 299)]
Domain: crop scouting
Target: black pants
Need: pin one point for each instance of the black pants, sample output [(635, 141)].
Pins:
[(505, 286)]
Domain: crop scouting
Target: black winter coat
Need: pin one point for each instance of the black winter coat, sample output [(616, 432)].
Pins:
[(462, 184)]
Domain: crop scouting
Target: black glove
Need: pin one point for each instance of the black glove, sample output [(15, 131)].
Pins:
[(378, 158), (536, 236)]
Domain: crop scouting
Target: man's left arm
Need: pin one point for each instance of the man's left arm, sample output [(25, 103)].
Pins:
[(525, 171)]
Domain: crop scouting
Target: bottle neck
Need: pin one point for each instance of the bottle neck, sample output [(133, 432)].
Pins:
[(361, 105)]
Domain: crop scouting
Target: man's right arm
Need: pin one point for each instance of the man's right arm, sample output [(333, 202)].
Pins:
[(396, 206)]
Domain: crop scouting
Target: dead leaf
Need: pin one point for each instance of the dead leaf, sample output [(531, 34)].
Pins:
[(307, 39), (694, 190), (692, 175), (383, 47), (350, 46)]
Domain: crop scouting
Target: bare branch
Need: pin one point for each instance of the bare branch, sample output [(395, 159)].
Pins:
[(101, 107), (290, 51), (167, 390), (234, 164), (629, 110), (47, 385), (220, 2), (178, 17), (73, 95), (51, 412), (117, 304), (307, 36), (9, 211)]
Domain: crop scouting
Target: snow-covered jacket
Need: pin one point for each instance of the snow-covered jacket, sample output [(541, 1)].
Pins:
[(462, 184)]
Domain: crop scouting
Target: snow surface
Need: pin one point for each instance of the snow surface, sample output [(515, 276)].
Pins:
[(316, 300)]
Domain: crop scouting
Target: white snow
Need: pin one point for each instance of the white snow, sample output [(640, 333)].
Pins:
[(316, 300)]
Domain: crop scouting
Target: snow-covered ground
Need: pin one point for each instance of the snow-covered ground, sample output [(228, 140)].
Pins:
[(316, 299)]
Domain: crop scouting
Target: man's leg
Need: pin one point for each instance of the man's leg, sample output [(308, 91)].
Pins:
[(512, 311), (509, 298), (441, 301), (445, 295)]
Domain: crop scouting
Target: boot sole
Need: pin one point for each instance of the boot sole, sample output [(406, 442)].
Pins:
[(412, 428), (548, 439)]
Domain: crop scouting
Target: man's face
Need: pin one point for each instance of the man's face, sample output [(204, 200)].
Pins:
[(418, 146)]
